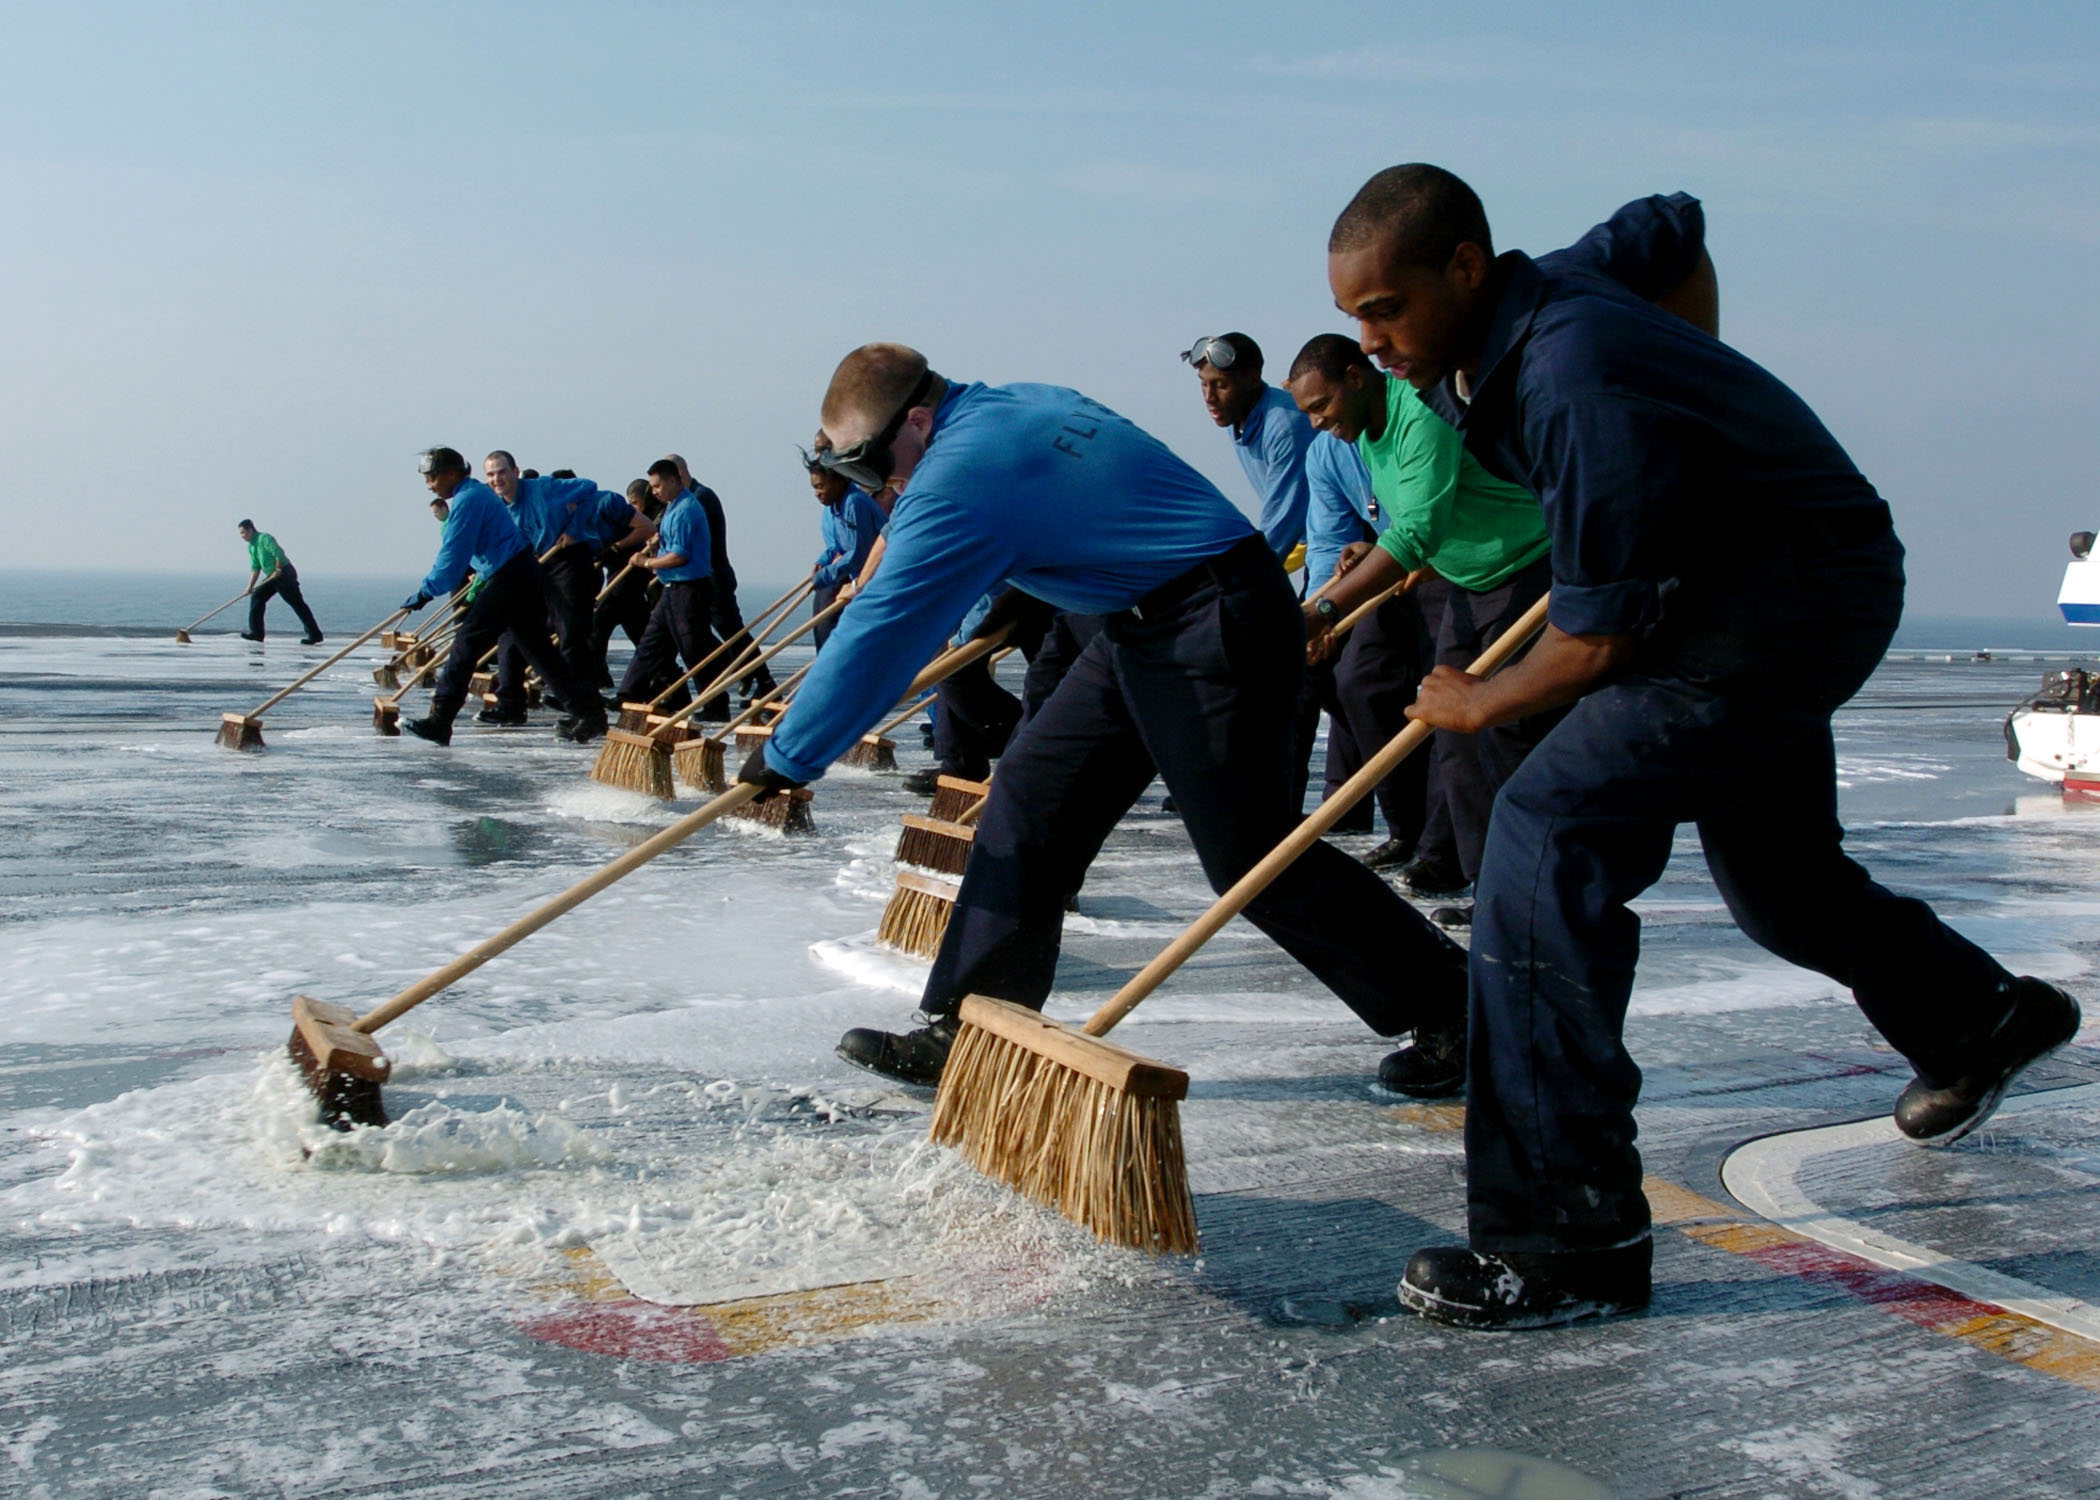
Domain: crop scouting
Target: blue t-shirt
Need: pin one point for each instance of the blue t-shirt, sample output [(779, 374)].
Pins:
[(1030, 484), (547, 509), (479, 534), (850, 528), (1340, 508), (1659, 454), (1271, 444), (684, 530), (600, 522)]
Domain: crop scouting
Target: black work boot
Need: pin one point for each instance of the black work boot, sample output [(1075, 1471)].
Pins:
[(580, 731), (911, 1057), (1512, 1289), (923, 782), (2043, 1018), (1390, 855), (435, 729), (1426, 875), (1453, 918), (1431, 1066), (496, 713)]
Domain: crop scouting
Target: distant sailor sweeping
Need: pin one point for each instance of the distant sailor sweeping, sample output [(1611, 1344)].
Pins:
[(270, 572)]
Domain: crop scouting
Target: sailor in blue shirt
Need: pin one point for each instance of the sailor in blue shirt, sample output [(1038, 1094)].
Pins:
[(678, 625), (1269, 433), (480, 534), (850, 522), (1366, 686), (1192, 678), (559, 517), (1723, 578), (723, 615)]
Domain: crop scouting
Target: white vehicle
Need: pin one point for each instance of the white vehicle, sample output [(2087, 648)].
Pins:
[(2055, 735)]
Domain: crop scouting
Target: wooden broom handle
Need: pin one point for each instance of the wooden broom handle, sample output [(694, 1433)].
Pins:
[(911, 708), (784, 603), (765, 656), (759, 705), (1302, 838), (566, 902), (271, 702), (755, 640), (229, 604)]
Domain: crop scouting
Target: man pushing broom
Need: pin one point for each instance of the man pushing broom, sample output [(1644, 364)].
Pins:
[(1193, 678)]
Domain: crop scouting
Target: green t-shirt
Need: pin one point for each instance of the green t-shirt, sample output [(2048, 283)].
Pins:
[(1443, 509), (264, 555)]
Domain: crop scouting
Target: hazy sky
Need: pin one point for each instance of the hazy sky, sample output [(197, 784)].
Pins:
[(255, 257)]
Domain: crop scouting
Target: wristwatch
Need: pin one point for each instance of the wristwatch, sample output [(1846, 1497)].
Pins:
[(1325, 609)]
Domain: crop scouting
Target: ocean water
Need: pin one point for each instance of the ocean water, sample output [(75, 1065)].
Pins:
[(648, 1085)]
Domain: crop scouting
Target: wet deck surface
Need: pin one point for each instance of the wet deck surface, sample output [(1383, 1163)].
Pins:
[(190, 1307)]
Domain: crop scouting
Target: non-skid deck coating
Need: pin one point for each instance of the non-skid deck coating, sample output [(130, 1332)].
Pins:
[(640, 1103)]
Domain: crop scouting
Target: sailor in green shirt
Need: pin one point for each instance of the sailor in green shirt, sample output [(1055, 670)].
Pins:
[(267, 562), (1447, 516)]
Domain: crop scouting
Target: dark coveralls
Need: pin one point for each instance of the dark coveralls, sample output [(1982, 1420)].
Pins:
[(723, 616), (1193, 685), (1697, 502), (286, 585), (1471, 768), (515, 600)]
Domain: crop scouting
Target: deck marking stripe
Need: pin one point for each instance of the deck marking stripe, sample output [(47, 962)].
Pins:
[(2009, 1335), (1765, 1175)]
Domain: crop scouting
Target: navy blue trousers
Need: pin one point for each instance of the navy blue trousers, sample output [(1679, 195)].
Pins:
[(1472, 767), (514, 600), (1723, 722), (1381, 664), (973, 720), (626, 609), (572, 580), (678, 631), (286, 586), (1201, 694)]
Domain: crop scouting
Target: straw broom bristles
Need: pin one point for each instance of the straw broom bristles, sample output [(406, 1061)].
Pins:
[(702, 764), (872, 752), (634, 763), (953, 797), (935, 844), (1096, 1137), (788, 812), (917, 915)]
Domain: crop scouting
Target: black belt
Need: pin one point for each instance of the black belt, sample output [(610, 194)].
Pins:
[(1222, 568)]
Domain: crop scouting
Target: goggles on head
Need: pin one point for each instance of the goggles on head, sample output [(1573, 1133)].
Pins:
[(869, 462), (426, 462), (1215, 352)]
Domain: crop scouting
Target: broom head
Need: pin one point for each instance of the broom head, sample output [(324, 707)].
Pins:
[(935, 844), (788, 812), (394, 640), (634, 717), (386, 717), (635, 763), (916, 918), (388, 676), (341, 1065), (872, 752), (1072, 1121), (701, 763), (751, 736), (182, 638), (239, 732), (953, 797)]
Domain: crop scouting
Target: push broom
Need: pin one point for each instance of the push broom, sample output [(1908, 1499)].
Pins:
[(244, 731), (641, 762), (182, 636), (334, 1047), (915, 919), (875, 750), (413, 651), (635, 718), (1094, 1130)]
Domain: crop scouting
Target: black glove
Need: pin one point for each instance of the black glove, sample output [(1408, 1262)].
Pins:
[(759, 774), (415, 601)]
